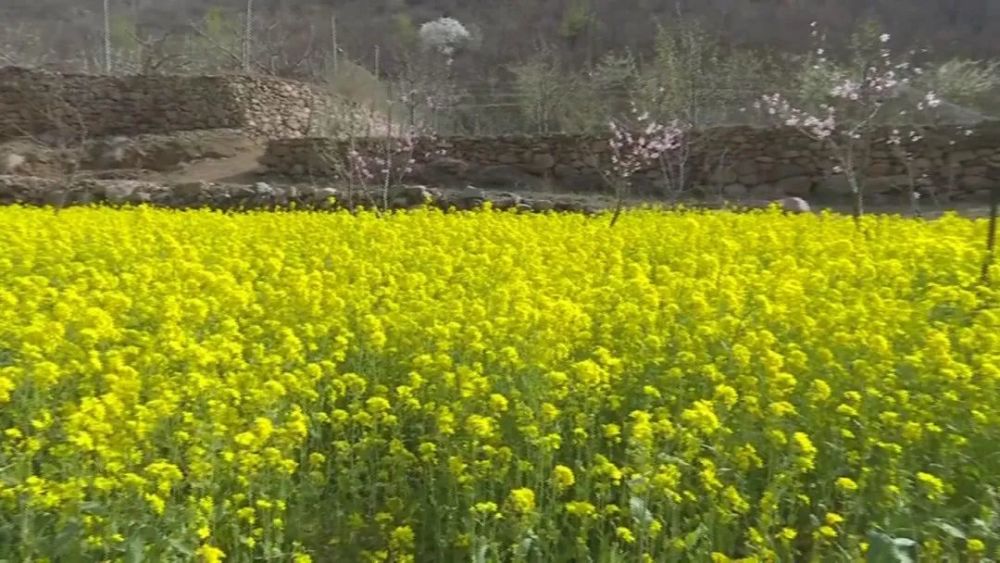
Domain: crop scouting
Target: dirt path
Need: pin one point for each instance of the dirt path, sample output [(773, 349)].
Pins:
[(239, 169)]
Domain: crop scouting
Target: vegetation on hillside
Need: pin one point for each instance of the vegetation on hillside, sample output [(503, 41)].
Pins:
[(536, 66)]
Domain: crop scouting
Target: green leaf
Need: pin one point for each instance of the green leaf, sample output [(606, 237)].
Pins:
[(887, 549), (640, 513), (481, 551), (949, 529), (181, 548), (694, 537), (135, 549)]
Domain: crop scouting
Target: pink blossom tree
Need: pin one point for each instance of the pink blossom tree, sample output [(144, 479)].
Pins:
[(850, 110), (636, 147)]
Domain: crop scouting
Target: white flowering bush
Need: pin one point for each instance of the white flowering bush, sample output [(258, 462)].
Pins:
[(443, 35)]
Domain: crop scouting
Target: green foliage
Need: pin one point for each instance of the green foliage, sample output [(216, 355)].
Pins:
[(220, 25), (600, 93), (405, 30), (123, 33), (865, 45), (539, 85), (577, 18), (965, 81), (692, 78), (887, 549)]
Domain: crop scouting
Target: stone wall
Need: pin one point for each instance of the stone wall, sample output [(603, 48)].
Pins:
[(71, 107), (734, 163), (58, 193)]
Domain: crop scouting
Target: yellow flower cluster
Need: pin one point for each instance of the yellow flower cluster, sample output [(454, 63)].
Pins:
[(423, 386)]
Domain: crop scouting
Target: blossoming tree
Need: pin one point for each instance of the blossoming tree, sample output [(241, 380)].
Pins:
[(636, 147), (850, 109)]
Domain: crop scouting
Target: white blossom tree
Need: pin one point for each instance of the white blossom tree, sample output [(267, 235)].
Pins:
[(444, 35)]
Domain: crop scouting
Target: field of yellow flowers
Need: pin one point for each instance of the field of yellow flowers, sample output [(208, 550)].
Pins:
[(492, 386)]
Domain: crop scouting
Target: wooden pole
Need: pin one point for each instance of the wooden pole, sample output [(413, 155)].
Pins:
[(333, 40), (247, 37), (107, 36)]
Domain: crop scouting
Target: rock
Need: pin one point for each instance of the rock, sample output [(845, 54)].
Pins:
[(324, 198), (10, 163), (58, 198), (541, 163), (765, 191), (140, 197), (834, 186), (542, 204), (241, 195), (794, 205), (506, 200), (448, 166), (120, 174), (735, 191), (469, 198), (564, 171), (880, 168), (959, 157), (410, 196), (25, 189), (993, 169), (976, 183), (886, 184), (723, 176), (511, 196), (795, 186), (505, 176), (77, 196), (587, 181), (746, 168), (263, 188), (119, 192), (190, 191), (788, 170), (441, 171)]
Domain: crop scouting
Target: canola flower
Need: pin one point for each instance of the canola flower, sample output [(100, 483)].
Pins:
[(300, 386)]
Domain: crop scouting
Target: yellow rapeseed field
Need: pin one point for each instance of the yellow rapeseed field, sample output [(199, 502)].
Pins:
[(297, 386)]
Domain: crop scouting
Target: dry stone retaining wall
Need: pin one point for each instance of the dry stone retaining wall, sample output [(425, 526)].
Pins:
[(950, 163), (28, 190), (74, 106)]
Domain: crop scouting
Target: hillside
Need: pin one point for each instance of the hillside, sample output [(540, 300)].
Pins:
[(509, 30), (527, 65)]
